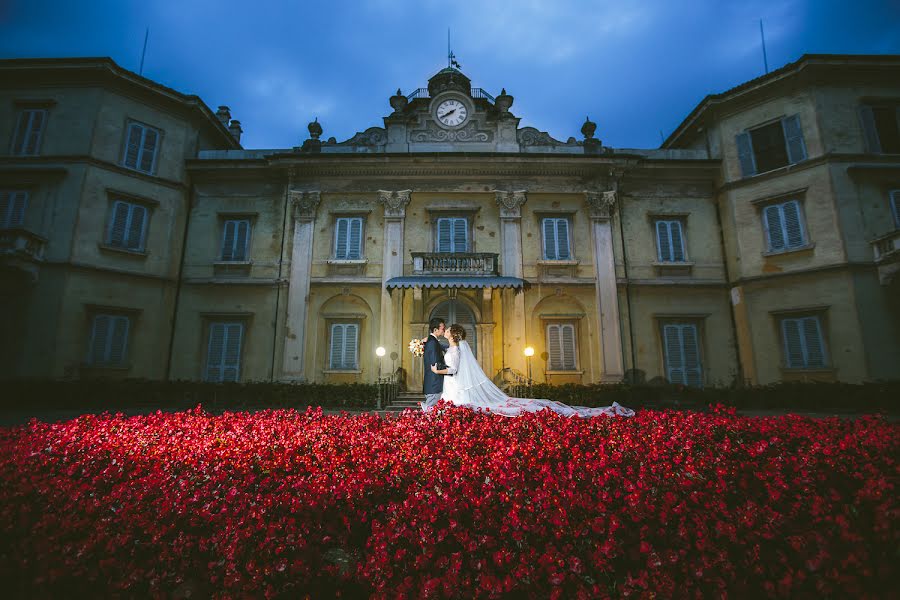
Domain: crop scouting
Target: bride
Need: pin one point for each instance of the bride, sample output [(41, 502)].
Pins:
[(470, 387)]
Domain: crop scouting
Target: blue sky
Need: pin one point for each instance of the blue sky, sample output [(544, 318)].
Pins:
[(637, 68)]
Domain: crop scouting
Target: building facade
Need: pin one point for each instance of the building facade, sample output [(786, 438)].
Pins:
[(759, 244)]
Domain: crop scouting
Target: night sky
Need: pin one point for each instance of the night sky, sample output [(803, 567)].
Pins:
[(636, 68)]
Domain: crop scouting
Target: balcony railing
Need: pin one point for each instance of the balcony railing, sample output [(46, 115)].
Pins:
[(455, 263), (887, 246), (22, 244), (476, 93)]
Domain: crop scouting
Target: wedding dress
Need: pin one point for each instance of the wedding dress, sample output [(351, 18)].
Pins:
[(470, 387)]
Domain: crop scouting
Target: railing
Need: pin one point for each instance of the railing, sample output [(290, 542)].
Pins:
[(513, 383), (476, 93), (455, 263), (388, 388), (886, 246), (21, 243)]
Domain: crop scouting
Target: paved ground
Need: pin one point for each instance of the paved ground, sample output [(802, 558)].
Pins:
[(14, 417)]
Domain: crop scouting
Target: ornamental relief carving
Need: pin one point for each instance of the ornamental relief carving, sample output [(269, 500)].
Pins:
[(395, 202), (434, 133), (510, 203), (602, 204), (304, 204)]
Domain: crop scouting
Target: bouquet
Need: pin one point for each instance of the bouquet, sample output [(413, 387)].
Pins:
[(417, 347)]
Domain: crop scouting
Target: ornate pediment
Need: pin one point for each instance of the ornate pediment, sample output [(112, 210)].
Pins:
[(529, 136), (432, 132), (371, 137)]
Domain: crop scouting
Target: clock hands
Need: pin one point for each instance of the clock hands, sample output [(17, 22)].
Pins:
[(448, 113)]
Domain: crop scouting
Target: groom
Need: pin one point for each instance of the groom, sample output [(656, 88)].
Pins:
[(433, 384)]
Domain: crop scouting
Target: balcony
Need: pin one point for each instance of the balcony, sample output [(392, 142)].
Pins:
[(472, 264), (887, 255), (22, 250), (476, 93)]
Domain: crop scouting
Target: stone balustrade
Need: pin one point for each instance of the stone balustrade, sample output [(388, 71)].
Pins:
[(455, 263)]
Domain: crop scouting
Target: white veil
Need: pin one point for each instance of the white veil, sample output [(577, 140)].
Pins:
[(478, 392)]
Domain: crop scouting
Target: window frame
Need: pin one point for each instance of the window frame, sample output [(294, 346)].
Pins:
[(105, 361), (129, 123), (558, 219), (681, 323), (8, 195), (108, 241), (225, 220), (338, 218), (819, 317), (746, 136), (22, 112), (470, 241), (780, 204), (343, 366), (682, 226), (226, 321), (894, 199), (872, 137), (562, 366)]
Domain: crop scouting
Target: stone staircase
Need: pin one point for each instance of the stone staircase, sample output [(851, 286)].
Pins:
[(405, 400)]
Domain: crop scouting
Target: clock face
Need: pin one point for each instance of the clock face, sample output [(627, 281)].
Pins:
[(451, 112)]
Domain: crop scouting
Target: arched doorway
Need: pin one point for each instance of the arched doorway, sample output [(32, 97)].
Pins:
[(453, 311)]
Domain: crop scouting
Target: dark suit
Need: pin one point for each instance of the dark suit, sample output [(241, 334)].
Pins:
[(433, 383)]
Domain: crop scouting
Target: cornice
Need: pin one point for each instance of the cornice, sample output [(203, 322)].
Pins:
[(58, 162)]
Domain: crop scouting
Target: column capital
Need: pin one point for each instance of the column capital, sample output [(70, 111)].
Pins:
[(304, 204), (510, 203), (395, 202), (602, 204)]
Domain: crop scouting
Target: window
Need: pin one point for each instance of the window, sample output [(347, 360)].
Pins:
[(669, 241), (561, 347), (452, 234), (771, 146), (895, 207), (29, 131), (682, 353), (784, 227), (804, 347), (12, 208), (344, 342), (141, 147), (556, 239), (348, 238), (881, 128), (223, 353), (235, 239), (127, 226), (109, 340)]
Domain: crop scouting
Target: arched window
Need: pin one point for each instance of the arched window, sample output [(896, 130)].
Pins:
[(454, 311)]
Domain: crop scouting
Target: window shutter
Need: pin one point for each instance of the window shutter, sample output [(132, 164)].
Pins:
[(870, 132), (895, 207), (772, 219), (242, 239), (340, 239), (135, 235), (231, 365), (6, 204), (337, 346), (18, 200), (118, 223), (555, 347), (677, 241), (21, 132), (693, 372), (567, 339), (444, 235), (215, 352), (351, 332), (460, 236), (812, 337), (550, 239), (662, 241), (99, 339), (792, 227), (133, 145), (118, 343), (745, 154), (148, 150), (562, 239), (793, 139), (674, 357), (354, 250), (793, 343), (228, 234)]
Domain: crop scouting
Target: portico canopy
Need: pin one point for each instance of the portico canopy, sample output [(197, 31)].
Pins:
[(443, 281)]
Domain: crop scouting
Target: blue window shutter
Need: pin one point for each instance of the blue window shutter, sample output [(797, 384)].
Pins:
[(690, 344), (677, 241), (793, 138), (870, 132), (745, 154), (215, 353), (562, 239), (351, 339), (12, 208), (19, 143), (813, 344), (460, 235), (228, 235), (133, 145), (567, 343), (792, 226), (675, 371), (895, 207), (118, 340), (148, 150), (6, 200), (118, 224), (33, 145), (550, 239), (99, 339), (340, 239), (444, 235), (231, 365), (554, 346), (663, 244), (774, 231), (135, 232), (354, 250), (241, 240), (337, 347), (793, 343)]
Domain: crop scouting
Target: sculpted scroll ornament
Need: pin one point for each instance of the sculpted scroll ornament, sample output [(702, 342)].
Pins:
[(510, 203), (433, 133), (304, 204), (394, 202), (602, 204)]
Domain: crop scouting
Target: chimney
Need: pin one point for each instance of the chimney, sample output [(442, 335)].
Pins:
[(224, 115), (235, 129)]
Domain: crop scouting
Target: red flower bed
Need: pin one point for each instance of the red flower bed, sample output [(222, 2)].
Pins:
[(457, 504)]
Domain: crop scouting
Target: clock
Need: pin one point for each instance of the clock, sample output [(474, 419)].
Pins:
[(451, 112)]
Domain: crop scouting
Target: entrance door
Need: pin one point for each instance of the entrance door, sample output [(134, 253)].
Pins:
[(454, 311)]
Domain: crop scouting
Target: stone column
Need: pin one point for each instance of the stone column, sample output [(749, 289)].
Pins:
[(391, 320), (514, 326), (303, 207), (486, 332), (601, 206)]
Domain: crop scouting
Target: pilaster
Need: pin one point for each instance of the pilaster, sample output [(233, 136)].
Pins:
[(303, 210), (514, 327), (391, 320)]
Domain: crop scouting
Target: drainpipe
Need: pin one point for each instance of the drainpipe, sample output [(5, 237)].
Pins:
[(627, 283), (184, 237), (287, 191)]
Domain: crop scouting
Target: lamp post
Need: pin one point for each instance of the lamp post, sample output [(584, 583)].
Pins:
[(379, 352), (529, 352)]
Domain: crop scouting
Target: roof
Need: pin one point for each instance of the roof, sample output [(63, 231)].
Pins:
[(770, 78), (107, 66)]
